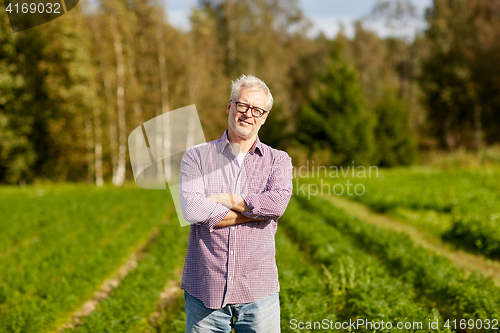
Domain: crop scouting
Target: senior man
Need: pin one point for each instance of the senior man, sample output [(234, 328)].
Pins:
[(232, 191)]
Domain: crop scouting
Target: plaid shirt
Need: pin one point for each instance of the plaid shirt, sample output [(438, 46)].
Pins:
[(233, 264)]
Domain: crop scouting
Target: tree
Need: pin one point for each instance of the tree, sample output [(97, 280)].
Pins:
[(261, 38), (45, 101), (393, 136), (485, 25), (461, 74), (206, 80), (17, 153), (368, 54), (334, 119)]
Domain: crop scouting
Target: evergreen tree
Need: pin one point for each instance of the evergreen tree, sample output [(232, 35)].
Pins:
[(66, 69), (16, 149), (395, 143), (334, 119)]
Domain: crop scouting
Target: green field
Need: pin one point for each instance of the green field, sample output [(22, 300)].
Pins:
[(60, 243), (460, 206)]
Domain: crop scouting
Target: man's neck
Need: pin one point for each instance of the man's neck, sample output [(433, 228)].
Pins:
[(245, 145)]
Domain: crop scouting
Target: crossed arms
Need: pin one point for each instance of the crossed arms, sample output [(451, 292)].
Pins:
[(236, 204), (223, 209)]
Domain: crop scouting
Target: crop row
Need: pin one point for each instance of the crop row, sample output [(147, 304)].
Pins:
[(39, 218), (476, 226), (426, 188), (78, 236), (437, 282), (359, 286), (470, 197), (303, 287), (131, 305)]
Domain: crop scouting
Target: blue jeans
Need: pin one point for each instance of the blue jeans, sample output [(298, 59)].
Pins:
[(262, 316)]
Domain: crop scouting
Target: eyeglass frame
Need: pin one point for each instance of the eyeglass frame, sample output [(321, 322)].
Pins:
[(249, 107)]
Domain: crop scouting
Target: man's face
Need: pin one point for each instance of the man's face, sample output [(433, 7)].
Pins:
[(244, 125)]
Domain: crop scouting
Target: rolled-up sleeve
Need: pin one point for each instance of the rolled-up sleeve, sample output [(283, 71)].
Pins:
[(272, 203), (195, 207)]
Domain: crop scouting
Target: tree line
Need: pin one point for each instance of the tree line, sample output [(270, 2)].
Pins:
[(72, 89)]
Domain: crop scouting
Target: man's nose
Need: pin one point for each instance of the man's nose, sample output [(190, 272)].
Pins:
[(248, 113)]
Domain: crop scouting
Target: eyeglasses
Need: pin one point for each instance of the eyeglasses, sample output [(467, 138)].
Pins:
[(242, 107)]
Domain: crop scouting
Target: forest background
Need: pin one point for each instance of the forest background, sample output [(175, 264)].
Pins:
[(73, 89)]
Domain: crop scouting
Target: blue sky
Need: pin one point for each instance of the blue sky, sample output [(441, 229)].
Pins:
[(324, 14)]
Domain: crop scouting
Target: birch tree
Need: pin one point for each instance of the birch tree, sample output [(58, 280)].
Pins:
[(163, 140), (119, 167), (97, 110)]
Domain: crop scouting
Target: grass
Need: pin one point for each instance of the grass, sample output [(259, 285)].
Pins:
[(461, 206), (359, 286), (431, 221), (62, 243), (462, 158), (436, 281), (130, 306)]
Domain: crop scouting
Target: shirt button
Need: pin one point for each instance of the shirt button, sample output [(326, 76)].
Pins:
[(230, 278), (232, 228), (232, 252)]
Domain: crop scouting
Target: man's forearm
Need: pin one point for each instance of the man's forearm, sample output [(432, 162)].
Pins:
[(232, 201), (233, 218)]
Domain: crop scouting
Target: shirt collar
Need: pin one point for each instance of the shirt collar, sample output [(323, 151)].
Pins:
[(256, 147)]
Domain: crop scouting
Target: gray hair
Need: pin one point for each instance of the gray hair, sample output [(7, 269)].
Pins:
[(250, 81)]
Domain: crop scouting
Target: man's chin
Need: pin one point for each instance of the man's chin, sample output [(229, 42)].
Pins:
[(242, 132), (245, 135)]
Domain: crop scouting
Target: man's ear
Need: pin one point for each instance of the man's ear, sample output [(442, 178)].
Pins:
[(228, 108), (265, 118)]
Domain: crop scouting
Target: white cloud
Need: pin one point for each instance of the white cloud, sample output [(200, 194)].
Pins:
[(179, 18), (331, 24), (327, 15)]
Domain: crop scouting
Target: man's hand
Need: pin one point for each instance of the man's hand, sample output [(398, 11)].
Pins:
[(232, 201)]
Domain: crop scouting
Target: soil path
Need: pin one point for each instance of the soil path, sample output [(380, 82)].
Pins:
[(167, 296), (469, 262), (110, 284)]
